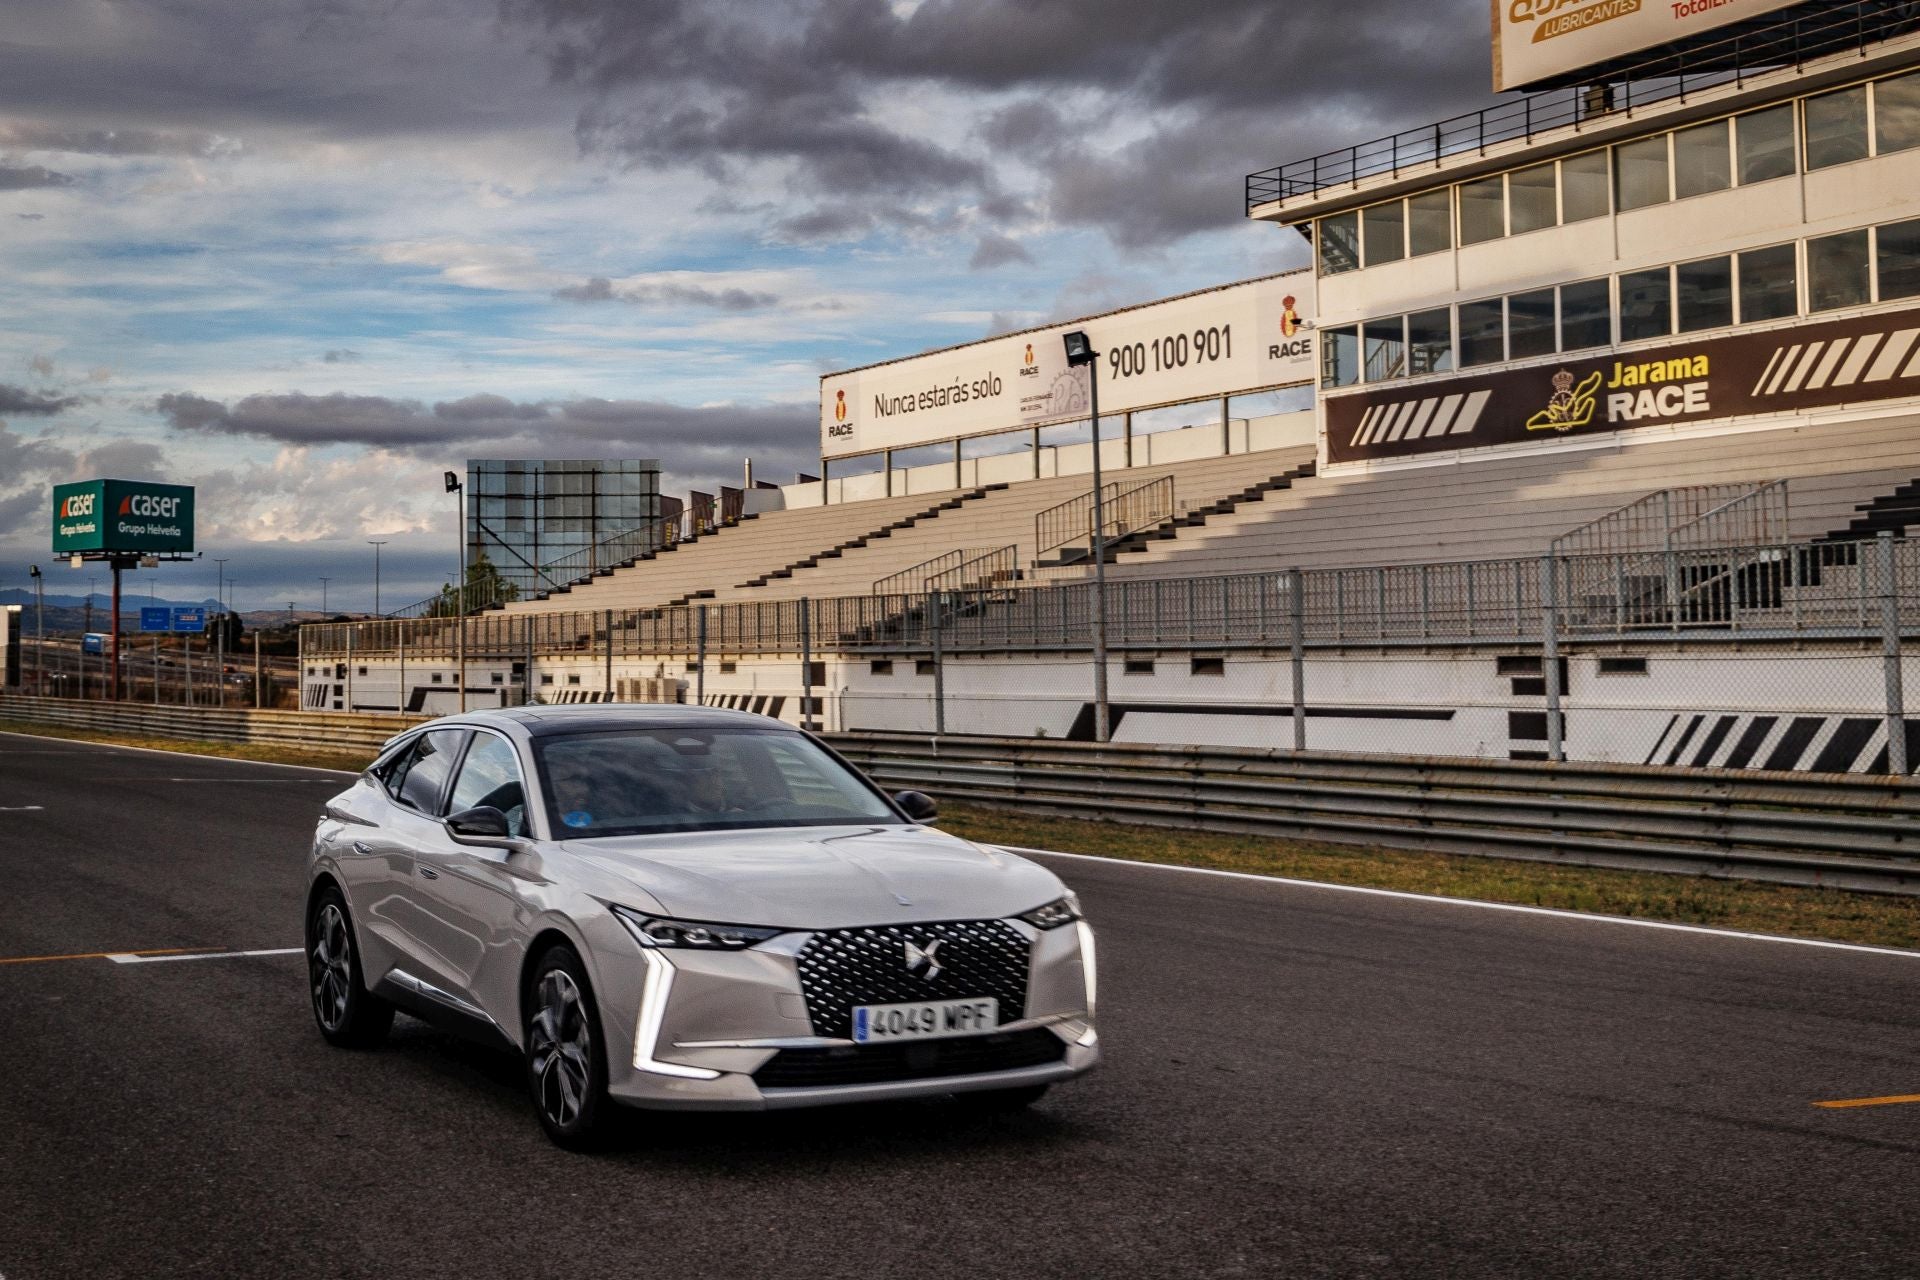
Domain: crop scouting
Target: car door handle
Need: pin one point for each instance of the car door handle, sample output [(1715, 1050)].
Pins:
[(429, 873), (362, 848)]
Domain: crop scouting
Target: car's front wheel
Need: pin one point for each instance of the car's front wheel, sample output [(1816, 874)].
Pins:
[(566, 1070), (348, 1015)]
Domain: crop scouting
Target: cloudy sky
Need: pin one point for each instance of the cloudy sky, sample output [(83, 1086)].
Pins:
[(306, 254)]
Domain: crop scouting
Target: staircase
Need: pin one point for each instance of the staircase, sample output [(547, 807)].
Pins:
[(839, 549)]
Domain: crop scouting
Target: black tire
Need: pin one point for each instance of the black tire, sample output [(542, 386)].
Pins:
[(346, 1013), (565, 1053), (998, 1102)]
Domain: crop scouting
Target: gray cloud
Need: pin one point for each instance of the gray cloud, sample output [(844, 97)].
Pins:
[(601, 289), (340, 355), (41, 136), (697, 443), (31, 177), (19, 400), (998, 251)]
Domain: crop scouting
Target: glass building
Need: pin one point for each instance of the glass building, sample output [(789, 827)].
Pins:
[(541, 522)]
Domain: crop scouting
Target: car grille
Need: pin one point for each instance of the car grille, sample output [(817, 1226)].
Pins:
[(841, 968), (925, 1060)]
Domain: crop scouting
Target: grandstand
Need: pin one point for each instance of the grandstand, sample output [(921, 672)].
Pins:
[(1604, 403)]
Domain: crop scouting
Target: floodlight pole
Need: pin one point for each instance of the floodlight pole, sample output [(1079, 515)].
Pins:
[(1080, 351), (376, 573), (39, 632)]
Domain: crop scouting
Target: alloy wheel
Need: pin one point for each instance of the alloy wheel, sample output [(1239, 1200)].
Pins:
[(330, 964), (562, 1048)]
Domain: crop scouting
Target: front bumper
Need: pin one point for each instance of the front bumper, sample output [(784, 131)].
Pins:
[(702, 1024)]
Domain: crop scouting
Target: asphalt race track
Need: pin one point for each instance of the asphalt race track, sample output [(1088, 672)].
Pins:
[(1300, 1082)]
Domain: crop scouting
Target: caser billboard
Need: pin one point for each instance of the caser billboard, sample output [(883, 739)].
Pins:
[(115, 516), (1240, 337), (1540, 40)]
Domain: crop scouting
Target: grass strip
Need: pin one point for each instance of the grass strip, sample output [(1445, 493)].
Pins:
[(268, 752), (1881, 920)]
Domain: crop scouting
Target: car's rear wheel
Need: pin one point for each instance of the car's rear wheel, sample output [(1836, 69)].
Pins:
[(566, 1069), (348, 1016)]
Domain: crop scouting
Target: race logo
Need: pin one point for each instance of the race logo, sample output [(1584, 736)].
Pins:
[(840, 428), (1290, 321), (840, 406), (1570, 406), (1564, 17), (1029, 360)]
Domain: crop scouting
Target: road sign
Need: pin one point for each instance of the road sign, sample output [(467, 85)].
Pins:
[(93, 642), (156, 618), (192, 619)]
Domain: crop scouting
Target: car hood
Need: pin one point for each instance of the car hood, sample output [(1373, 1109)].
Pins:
[(822, 877)]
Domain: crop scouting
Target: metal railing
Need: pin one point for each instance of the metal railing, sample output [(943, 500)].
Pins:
[(1776, 591), (1705, 515), (957, 570), (1628, 567), (1844, 27), (1125, 509)]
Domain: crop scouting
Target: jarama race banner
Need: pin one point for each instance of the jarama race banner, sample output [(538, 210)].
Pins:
[(1241, 337), (1808, 366), (1538, 40)]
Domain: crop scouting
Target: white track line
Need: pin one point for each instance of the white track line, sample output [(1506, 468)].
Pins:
[(193, 755), (1553, 912), (126, 958), (20, 808)]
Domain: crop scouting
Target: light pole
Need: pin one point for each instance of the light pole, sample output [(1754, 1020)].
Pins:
[(460, 594), (376, 545), (323, 595), (39, 630), (1080, 352), (220, 628)]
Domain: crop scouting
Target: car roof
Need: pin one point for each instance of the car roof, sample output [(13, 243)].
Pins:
[(539, 721)]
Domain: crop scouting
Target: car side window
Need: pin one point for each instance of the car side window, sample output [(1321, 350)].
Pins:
[(490, 776), (427, 771), (392, 771)]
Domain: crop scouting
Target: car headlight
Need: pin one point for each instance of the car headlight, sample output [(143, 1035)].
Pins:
[(1056, 913), (698, 935)]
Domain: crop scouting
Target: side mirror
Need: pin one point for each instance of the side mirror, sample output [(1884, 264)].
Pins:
[(917, 805), (485, 825)]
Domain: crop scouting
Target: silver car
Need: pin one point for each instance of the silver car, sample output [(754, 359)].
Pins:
[(671, 907)]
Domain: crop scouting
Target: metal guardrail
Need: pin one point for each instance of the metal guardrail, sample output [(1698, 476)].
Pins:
[(1124, 510), (1702, 515), (1838, 831), (320, 731), (1841, 832), (1844, 27)]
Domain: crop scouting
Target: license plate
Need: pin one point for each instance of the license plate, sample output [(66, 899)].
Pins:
[(936, 1020)]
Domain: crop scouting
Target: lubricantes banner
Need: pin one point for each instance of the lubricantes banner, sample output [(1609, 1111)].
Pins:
[(1542, 40), (1809, 366)]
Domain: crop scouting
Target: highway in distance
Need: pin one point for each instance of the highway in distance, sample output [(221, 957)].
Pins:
[(1299, 1082)]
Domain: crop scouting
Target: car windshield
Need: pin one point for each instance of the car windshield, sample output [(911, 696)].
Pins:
[(642, 781)]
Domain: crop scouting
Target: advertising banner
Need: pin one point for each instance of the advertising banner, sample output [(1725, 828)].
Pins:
[(1242, 337), (1541, 40), (122, 516), (1809, 366)]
